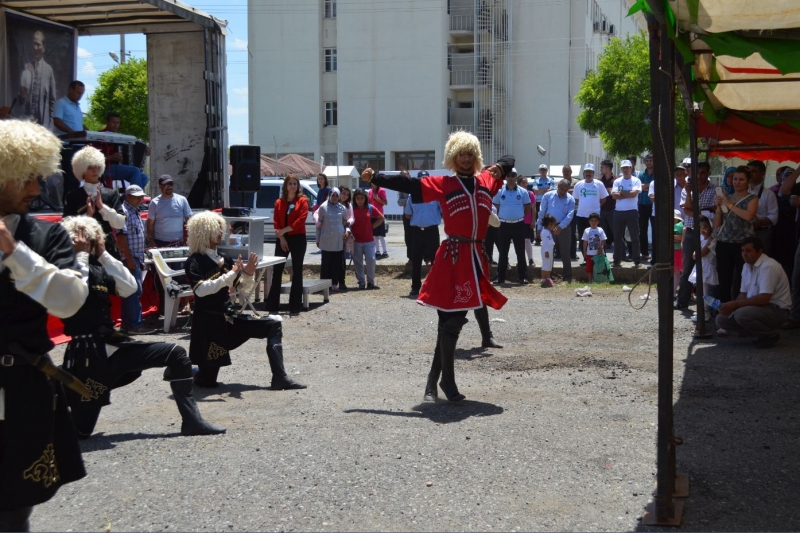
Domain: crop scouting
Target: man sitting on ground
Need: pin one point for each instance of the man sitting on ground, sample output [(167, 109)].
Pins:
[(764, 301)]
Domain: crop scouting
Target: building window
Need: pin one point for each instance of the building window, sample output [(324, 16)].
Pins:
[(330, 60), (331, 158), (449, 111), (415, 161), (331, 115), (330, 9), (361, 160)]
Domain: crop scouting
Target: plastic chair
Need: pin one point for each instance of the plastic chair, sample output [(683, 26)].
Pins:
[(165, 274)]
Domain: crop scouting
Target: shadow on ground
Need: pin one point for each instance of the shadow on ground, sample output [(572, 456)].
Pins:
[(101, 441), (739, 415), (441, 411)]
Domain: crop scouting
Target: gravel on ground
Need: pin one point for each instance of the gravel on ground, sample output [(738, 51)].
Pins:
[(557, 434)]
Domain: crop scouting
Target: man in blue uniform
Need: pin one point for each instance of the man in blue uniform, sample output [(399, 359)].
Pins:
[(513, 203)]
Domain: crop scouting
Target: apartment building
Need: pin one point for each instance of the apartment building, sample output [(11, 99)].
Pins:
[(383, 83)]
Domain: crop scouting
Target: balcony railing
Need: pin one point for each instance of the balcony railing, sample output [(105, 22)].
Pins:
[(461, 127), (462, 22), (462, 77)]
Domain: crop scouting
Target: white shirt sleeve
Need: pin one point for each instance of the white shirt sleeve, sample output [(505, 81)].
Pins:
[(770, 203), (116, 220), (212, 286), (61, 291), (124, 280)]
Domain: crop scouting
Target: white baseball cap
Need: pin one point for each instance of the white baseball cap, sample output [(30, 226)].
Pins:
[(686, 162), (588, 166), (625, 163), (542, 166), (134, 190)]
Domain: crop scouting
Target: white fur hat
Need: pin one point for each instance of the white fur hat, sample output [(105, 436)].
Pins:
[(86, 158)]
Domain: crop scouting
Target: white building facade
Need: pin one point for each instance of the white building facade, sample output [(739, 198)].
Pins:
[(383, 84)]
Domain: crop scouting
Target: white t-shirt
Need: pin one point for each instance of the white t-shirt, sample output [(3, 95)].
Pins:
[(594, 236), (623, 185), (548, 244), (588, 196)]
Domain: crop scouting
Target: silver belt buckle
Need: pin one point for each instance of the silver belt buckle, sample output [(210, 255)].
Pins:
[(7, 360)]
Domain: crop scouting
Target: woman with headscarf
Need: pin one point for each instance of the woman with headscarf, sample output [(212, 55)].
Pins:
[(727, 180), (332, 232)]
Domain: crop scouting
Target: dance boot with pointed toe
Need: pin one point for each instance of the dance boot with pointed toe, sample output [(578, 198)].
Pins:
[(280, 380), (449, 331), (487, 339), (193, 423)]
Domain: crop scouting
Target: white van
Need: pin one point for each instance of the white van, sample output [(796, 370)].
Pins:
[(262, 204)]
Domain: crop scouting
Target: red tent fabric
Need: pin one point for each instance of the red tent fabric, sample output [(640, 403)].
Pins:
[(735, 128)]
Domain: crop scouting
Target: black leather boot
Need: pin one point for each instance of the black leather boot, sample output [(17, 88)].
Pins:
[(16, 520), (431, 389), (487, 339), (448, 337), (193, 423), (205, 377), (280, 381)]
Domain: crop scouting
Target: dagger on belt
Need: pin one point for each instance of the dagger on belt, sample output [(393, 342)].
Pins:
[(44, 364)]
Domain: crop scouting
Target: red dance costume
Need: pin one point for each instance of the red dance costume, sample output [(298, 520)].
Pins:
[(456, 281)]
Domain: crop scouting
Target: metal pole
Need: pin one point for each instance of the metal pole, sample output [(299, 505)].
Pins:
[(663, 511), (276, 155), (700, 326), (121, 47)]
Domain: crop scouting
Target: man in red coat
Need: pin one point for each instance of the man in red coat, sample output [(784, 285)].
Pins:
[(459, 278)]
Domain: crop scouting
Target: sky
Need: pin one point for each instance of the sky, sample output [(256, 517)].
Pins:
[(94, 59)]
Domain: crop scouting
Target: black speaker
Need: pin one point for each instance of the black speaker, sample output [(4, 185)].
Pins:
[(246, 163)]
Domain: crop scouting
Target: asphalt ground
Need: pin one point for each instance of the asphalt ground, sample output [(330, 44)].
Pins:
[(557, 433)]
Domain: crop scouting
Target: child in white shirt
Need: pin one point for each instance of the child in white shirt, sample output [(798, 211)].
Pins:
[(594, 242), (548, 245), (709, 260)]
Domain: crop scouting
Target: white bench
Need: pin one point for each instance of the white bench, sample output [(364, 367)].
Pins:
[(311, 286)]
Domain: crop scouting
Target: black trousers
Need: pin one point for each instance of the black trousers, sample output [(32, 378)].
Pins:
[(687, 250), (607, 223), (729, 270), (408, 236), (297, 249), (490, 241), (16, 520), (331, 266), (512, 232), (645, 218), (424, 243), (573, 245), (243, 328), (122, 368), (582, 223)]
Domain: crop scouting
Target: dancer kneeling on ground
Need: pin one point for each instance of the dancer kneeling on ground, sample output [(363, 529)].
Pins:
[(216, 329), (104, 359), (459, 278)]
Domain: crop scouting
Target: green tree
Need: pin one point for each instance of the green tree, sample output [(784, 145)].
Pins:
[(615, 99), (122, 89)]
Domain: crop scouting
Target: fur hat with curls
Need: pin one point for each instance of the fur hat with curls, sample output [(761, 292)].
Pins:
[(203, 227), (88, 225), (459, 142), (85, 158), (26, 150)]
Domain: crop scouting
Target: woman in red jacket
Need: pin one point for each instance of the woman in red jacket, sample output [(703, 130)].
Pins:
[(289, 219)]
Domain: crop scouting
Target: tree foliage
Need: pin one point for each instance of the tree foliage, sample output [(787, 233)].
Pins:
[(615, 99), (123, 89)]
